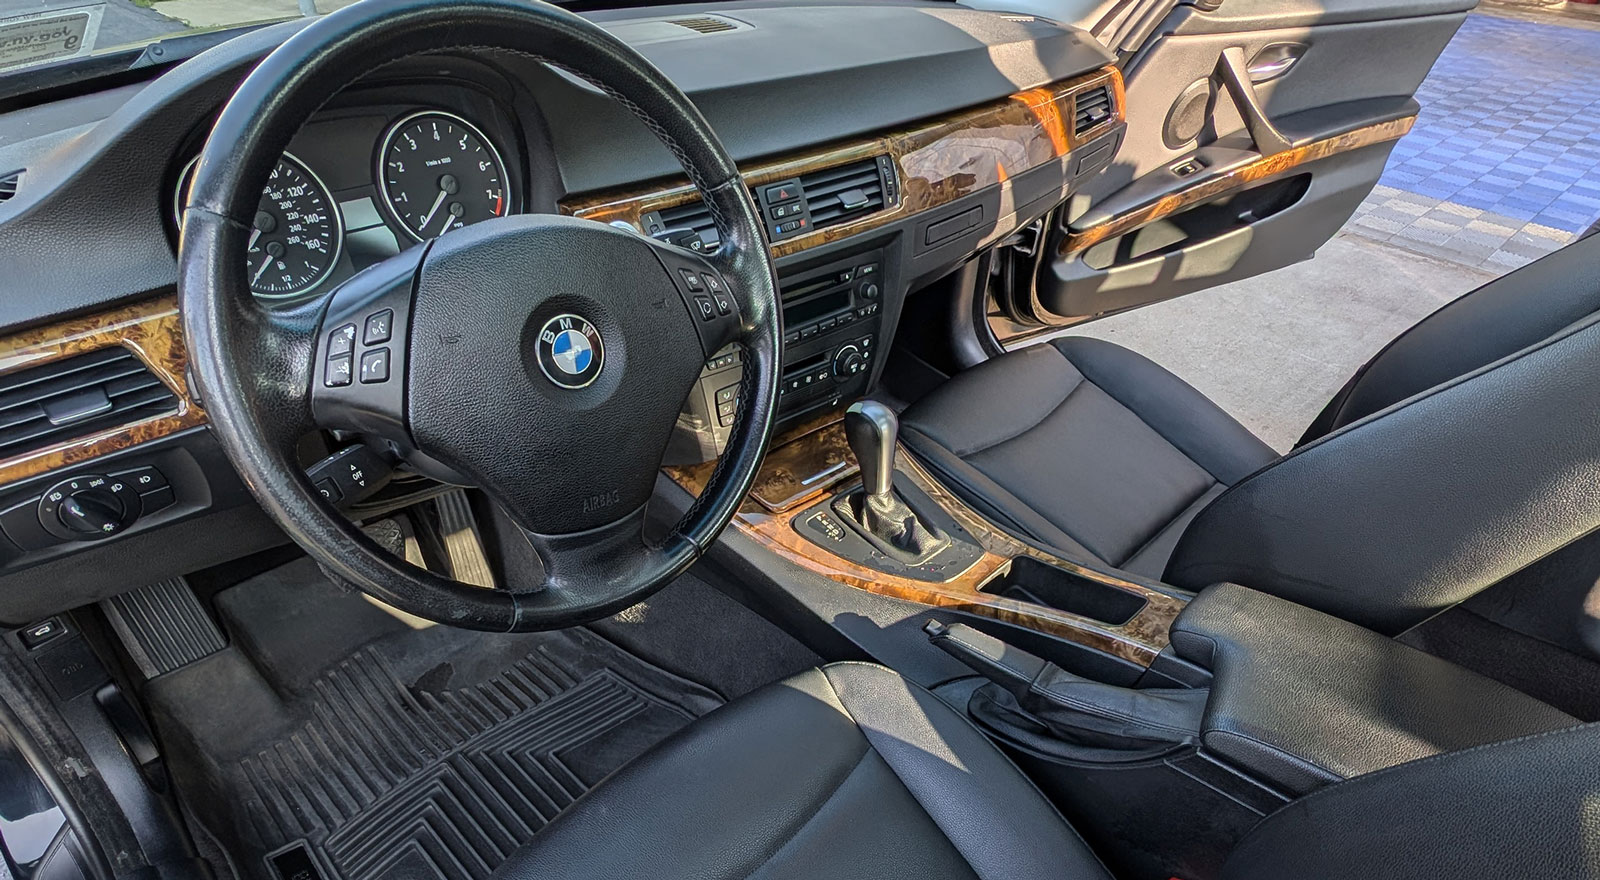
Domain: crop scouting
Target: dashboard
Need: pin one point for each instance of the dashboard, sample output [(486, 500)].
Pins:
[(374, 174), (874, 185)]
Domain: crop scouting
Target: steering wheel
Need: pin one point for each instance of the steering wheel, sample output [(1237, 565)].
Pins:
[(543, 359)]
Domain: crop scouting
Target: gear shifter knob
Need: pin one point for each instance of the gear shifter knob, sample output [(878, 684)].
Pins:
[(872, 429)]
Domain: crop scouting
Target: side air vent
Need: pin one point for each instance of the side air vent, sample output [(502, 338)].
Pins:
[(677, 224), (9, 184), (1091, 108), (77, 397), (839, 195), (708, 24)]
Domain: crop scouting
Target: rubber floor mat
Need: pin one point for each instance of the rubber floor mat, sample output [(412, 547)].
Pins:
[(423, 755), (388, 781)]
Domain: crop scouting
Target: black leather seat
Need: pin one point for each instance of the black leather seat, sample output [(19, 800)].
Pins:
[(1463, 452), (852, 772)]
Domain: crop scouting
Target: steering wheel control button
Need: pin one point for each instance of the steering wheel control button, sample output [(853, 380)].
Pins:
[(338, 371), (691, 281), (375, 366), (343, 340), (379, 328), (724, 303), (571, 352), (350, 475), (705, 308)]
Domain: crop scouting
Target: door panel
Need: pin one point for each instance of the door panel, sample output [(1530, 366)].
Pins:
[(1249, 144)]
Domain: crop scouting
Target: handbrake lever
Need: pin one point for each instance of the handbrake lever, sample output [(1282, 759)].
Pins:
[(1071, 706)]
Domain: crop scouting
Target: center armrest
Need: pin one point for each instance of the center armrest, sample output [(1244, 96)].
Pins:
[(1302, 699)]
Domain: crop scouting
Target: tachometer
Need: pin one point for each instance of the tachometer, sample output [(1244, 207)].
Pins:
[(437, 172), (295, 240)]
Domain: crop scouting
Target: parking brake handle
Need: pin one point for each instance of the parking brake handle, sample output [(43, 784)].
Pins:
[(1072, 707)]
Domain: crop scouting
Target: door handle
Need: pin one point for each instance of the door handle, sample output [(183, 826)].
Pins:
[(1275, 61), (1232, 69)]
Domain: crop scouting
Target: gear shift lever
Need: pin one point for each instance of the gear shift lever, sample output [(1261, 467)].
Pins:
[(872, 429), (879, 513)]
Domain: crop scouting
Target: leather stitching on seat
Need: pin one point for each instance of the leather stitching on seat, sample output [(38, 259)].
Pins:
[(1161, 529), (821, 805), (1041, 420), (996, 512)]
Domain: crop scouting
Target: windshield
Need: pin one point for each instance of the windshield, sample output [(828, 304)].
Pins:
[(35, 32)]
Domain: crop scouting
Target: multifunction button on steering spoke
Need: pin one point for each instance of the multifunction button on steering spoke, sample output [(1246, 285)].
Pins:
[(362, 350), (707, 296)]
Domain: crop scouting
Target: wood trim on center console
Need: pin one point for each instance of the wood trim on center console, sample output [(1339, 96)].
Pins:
[(808, 457), (152, 330), (937, 161), (1204, 188)]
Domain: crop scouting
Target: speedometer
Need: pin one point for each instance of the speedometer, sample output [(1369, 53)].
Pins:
[(437, 172), (297, 233)]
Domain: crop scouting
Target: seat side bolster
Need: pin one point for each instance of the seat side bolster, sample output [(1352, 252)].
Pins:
[(1002, 825), (1405, 513), (1172, 407), (1522, 808), (1477, 328)]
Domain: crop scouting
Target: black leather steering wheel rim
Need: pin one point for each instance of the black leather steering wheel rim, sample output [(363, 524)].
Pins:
[(255, 364)]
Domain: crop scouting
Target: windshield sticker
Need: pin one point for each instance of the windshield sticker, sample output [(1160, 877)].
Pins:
[(48, 36)]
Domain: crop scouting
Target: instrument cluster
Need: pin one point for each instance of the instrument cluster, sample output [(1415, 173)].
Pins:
[(358, 185)]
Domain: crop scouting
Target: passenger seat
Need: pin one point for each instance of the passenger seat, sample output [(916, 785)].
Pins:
[(1464, 451)]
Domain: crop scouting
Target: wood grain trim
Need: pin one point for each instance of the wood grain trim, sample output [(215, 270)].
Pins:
[(1139, 640), (152, 330), (937, 161), (1207, 188)]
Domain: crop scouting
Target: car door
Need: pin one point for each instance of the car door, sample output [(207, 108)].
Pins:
[(1255, 128)]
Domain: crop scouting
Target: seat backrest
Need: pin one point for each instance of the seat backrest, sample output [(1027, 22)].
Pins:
[(1476, 329), (1524, 808), (1418, 506)]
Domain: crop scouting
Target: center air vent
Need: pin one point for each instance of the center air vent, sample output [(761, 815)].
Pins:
[(815, 200), (9, 184), (1091, 108), (76, 397), (839, 195)]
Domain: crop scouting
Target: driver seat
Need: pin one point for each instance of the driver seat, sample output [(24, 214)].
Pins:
[(853, 772)]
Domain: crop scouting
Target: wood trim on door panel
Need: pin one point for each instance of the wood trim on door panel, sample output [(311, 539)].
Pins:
[(1207, 188), (938, 161), (814, 448), (152, 330)]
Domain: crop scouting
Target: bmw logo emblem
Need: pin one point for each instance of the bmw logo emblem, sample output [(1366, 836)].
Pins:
[(570, 351)]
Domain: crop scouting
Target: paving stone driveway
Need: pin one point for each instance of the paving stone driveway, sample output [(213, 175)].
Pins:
[(1503, 165)]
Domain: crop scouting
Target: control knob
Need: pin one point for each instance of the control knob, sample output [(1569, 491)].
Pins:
[(848, 362), (92, 512)]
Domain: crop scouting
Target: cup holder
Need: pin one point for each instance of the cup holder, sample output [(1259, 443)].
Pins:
[(1029, 580)]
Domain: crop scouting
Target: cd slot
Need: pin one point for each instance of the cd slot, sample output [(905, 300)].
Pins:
[(808, 365)]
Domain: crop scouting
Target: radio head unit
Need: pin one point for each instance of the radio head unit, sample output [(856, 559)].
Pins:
[(831, 326)]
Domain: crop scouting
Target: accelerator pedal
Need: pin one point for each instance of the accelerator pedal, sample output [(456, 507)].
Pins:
[(458, 531)]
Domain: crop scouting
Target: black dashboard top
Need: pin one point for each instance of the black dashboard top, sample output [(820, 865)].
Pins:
[(91, 223)]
